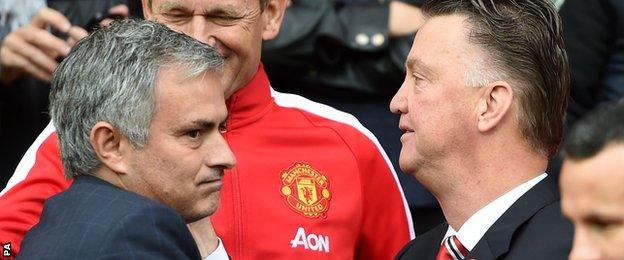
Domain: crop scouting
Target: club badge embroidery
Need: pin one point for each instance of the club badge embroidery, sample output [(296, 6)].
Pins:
[(306, 190)]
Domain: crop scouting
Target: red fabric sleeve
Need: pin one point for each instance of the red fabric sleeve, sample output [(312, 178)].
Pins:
[(21, 205), (386, 220)]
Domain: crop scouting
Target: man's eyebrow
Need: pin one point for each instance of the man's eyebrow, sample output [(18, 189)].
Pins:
[(227, 10), (170, 6), (205, 124), (415, 64)]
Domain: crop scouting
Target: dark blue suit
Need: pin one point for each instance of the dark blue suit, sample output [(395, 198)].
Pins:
[(94, 219), (532, 228)]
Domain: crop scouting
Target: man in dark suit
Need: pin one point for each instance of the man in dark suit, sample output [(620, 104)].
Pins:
[(138, 110), (482, 108)]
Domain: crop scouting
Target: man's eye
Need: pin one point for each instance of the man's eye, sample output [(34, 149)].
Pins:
[(600, 225), (224, 20), (416, 78), (193, 134), (175, 17)]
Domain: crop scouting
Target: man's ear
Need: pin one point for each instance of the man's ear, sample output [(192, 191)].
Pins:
[(110, 146), (147, 9), (272, 16), (494, 105)]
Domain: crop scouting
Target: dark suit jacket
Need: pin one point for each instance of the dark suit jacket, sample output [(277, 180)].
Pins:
[(532, 228), (94, 219)]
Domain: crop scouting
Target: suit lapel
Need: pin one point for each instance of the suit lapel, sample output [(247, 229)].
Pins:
[(425, 246), (497, 240)]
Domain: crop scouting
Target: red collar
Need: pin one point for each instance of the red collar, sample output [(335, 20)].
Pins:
[(251, 102)]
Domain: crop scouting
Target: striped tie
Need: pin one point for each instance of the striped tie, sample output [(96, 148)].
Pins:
[(452, 249)]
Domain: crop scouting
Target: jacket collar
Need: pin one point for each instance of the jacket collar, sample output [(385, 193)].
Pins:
[(497, 240), (251, 102), (425, 246)]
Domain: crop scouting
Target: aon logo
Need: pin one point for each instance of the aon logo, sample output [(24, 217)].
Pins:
[(310, 242)]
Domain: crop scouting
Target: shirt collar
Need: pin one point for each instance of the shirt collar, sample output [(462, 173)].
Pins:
[(475, 227)]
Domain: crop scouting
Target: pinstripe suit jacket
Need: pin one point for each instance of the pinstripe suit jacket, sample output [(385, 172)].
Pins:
[(96, 220)]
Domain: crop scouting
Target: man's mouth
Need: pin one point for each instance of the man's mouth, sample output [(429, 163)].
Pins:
[(210, 185), (213, 178), (405, 129)]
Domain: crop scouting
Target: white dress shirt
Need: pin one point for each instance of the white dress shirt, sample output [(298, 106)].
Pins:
[(475, 227), (219, 253)]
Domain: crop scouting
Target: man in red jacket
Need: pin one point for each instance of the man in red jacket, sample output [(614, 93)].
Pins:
[(311, 182)]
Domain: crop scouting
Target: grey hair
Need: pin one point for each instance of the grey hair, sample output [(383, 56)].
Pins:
[(110, 76)]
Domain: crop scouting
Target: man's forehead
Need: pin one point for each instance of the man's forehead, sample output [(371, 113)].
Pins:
[(204, 5), (443, 39), (592, 178), (442, 30)]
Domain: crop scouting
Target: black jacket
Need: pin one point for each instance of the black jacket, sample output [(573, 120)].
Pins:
[(532, 228), (96, 220)]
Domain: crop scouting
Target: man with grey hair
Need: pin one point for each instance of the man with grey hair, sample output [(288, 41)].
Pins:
[(482, 108), (138, 110)]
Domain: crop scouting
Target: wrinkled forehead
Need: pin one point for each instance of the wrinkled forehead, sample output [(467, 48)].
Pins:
[(197, 5), (443, 35), (442, 44)]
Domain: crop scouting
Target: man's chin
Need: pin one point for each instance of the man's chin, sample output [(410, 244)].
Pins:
[(232, 78), (406, 164), (190, 218), (200, 212)]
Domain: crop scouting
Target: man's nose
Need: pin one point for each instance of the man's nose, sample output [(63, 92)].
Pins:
[(398, 104), (200, 29), (583, 247), (220, 154)]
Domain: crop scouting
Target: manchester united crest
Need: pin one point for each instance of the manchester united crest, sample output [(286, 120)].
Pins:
[(306, 190)]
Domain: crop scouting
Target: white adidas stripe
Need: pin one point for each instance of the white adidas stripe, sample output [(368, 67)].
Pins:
[(28, 160), (299, 102)]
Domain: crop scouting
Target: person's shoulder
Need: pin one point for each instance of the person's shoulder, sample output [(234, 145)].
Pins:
[(93, 217), (546, 234), (92, 200), (104, 194), (347, 126), (549, 221), (137, 225), (317, 112), (151, 230)]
